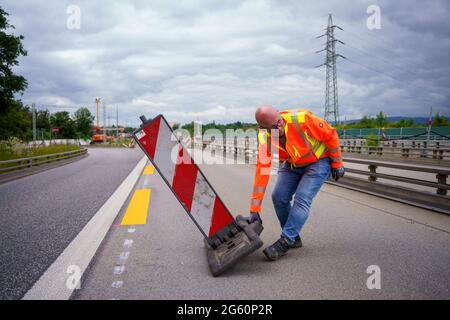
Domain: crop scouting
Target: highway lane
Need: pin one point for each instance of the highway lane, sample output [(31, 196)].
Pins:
[(347, 232), (42, 213)]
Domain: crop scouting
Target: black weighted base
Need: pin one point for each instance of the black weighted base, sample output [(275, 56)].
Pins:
[(238, 246)]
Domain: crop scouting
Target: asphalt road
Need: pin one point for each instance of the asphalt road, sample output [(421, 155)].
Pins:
[(346, 233), (42, 213)]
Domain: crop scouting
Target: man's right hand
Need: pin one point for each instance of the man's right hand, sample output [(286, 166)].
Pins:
[(254, 216), (337, 173)]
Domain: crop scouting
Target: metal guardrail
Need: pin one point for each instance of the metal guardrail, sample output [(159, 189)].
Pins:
[(442, 173), (436, 133), (30, 162), (420, 150), (438, 202), (403, 152)]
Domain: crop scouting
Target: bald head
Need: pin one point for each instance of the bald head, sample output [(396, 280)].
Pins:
[(266, 116)]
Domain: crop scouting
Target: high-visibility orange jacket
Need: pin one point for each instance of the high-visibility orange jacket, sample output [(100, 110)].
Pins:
[(308, 138)]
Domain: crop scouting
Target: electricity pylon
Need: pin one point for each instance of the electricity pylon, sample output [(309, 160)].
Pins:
[(331, 89)]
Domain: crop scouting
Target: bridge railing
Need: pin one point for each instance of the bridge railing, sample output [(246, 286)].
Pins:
[(441, 173), (403, 152), (24, 163), (248, 148), (413, 194), (249, 154)]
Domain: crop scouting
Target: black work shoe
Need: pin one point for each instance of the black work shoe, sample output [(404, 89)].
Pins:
[(297, 243), (278, 249)]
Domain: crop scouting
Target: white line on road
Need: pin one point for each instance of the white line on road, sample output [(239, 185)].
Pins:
[(146, 181), (53, 283)]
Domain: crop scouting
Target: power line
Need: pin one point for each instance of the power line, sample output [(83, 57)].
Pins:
[(385, 61), (374, 70), (393, 65), (382, 59), (392, 77), (364, 37), (54, 106), (387, 75)]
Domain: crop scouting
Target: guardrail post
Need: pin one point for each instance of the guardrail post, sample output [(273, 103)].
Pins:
[(30, 163), (438, 154), (247, 150), (211, 147), (424, 150), (442, 179), (405, 151), (235, 150), (224, 149), (372, 169)]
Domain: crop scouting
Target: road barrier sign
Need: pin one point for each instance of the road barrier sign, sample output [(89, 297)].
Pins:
[(227, 240)]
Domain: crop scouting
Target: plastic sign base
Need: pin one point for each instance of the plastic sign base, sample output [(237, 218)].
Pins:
[(237, 245)]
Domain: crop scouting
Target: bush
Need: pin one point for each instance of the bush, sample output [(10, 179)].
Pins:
[(372, 141), (14, 148), (9, 148)]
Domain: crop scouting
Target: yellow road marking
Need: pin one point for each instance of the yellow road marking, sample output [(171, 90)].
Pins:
[(149, 169), (137, 210)]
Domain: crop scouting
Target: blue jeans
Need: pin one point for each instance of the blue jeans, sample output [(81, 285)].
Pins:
[(305, 183)]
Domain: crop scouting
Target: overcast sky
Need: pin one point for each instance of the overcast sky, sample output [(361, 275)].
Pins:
[(217, 60)]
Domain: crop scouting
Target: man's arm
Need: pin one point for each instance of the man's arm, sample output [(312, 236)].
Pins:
[(323, 132), (262, 173)]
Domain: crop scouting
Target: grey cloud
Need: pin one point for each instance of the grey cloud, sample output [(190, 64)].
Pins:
[(217, 60)]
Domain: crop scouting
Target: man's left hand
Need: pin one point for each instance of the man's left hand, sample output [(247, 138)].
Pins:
[(254, 216)]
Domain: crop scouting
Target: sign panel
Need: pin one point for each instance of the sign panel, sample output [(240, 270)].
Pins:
[(183, 176)]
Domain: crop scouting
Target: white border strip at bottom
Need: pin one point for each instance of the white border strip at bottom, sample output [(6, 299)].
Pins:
[(53, 284)]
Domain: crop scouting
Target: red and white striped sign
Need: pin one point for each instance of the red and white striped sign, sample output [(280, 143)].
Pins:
[(183, 176)]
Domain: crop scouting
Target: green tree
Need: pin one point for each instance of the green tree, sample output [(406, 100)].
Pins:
[(365, 122), (14, 116), (43, 124), (189, 127), (440, 121), (128, 130), (43, 119), (83, 120), (404, 123), (65, 124), (381, 120), (16, 122), (11, 49)]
